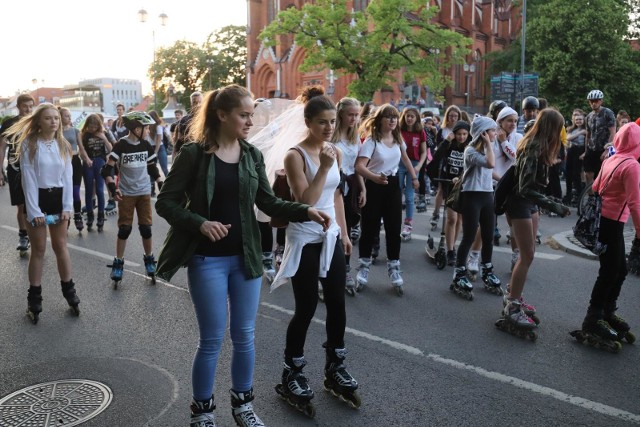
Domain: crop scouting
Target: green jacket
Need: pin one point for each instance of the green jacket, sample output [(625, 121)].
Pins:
[(185, 200)]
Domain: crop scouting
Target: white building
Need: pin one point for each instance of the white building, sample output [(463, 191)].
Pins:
[(115, 91)]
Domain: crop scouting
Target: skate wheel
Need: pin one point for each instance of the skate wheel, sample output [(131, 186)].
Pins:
[(309, 410), (578, 335), (470, 296), (351, 291), (615, 347), (355, 402), (630, 337), (153, 280), (75, 310), (441, 260), (399, 291), (533, 335), (535, 318), (452, 288), (500, 323), (115, 284)]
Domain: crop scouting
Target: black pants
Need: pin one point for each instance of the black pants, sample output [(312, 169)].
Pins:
[(477, 208), (553, 188), (383, 201), (574, 167), (613, 267), (266, 236), (305, 293)]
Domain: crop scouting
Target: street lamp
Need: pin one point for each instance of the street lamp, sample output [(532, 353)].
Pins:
[(210, 62), (163, 17), (469, 69)]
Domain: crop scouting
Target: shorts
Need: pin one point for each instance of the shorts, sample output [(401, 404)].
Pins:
[(16, 194), (50, 200), (520, 208), (592, 162), (140, 204)]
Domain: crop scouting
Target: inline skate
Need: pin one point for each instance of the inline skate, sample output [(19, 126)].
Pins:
[(473, 265), (516, 322), (393, 269), (421, 203), (405, 234), (117, 269), (362, 278), (23, 243), (294, 388), (461, 285), (69, 293), (621, 327), (34, 303), (100, 222), (597, 333), (150, 267), (110, 207), (350, 284), (90, 219), (242, 409), (202, 413), (78, 222), (496, 237), (277, 255), (337, 380), (354, 234), (267, 266), (491, 281), (375, 249), (434, 220)]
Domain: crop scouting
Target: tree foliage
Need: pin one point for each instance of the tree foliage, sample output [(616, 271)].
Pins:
[(188, 67), (390, 35)]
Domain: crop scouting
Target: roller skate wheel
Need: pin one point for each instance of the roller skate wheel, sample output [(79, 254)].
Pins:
[(75, 310), (399, 291), (452, 288), (351, 291), (533, 335), (500, 323), (309, 410), (355, 401), (115, 284), (34, 317), (470, 296), (615, 347), (578, 335), (23, 254), (630, 337), (535, 318)]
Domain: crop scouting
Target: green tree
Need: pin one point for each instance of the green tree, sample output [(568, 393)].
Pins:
[(227, 57), (576, 49), (389, 36)]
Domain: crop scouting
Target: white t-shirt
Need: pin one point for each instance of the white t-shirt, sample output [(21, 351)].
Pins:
[(383, 159), (349, 155)]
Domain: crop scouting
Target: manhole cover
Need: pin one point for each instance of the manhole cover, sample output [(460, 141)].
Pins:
[(53, 404)]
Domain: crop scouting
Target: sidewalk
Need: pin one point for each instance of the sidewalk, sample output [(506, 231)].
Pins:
[(565, 241)]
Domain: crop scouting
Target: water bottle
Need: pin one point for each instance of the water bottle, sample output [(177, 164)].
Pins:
[(48, 220)]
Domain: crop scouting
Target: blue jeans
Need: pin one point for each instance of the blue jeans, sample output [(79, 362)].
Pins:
[(216, 283), (92, 175), (162, 160), (406, 185)]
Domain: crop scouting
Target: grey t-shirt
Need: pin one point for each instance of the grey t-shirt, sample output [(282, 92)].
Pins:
[(132, 159), (479, 176), (73, 136)]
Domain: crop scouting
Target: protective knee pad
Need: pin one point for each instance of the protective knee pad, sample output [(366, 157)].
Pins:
[(145, 231), (124, 231)]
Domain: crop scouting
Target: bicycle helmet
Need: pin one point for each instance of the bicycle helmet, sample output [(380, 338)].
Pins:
[(530, 103), (495, 107), (136, 119), (595, 95)]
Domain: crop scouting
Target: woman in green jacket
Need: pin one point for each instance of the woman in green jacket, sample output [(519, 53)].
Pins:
[(208, 200)]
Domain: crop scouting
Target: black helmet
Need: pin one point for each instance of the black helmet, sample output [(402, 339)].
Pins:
[(529, 125), (530, 103), (495, 107), (136, 119)]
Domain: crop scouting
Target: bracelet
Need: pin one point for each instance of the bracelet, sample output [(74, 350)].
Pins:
[(415, 178)]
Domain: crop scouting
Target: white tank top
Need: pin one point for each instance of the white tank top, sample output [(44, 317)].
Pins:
[(349, 156)]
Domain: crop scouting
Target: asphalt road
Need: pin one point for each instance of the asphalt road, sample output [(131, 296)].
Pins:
[(427, 358)]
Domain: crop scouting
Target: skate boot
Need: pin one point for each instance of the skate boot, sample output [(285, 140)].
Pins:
[(406, 231), (150, 267), (496, 237), (117, 268), (491, 281), (77, 220), (350, 284), (434, 220), (461, 285), (421, 203), (202, 413), (242, 409), (375, 250), (90, 220), (337, 380), (34, 301), (294, 388), (393, 269), (277, 255), (619, 325), (515, 256), (23, 243), (508, 236), (69, 293), (539, 237), (362, 278), (110, 207), (100, 222), (267, 266), (515, 321), (596, 332), (354, 234), (451, 257), (473, 266)]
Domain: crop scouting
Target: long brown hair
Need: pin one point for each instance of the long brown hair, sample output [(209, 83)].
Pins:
[(352, 133), (417, 126), (546, 133), (372, 124)]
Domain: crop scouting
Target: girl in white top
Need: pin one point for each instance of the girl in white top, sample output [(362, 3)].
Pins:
[(345, 137), (378, 161), (45, 161), (312, 169)]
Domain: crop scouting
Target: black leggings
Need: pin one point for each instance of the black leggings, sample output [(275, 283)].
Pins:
[(477, 208), (613, 266), (383, 201), (574, 167), (305, 293), (266, 236)]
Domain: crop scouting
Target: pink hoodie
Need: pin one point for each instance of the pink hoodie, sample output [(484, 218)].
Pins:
[(624, 186)]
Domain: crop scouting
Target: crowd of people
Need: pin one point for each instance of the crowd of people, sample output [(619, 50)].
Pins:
[(351, 170)]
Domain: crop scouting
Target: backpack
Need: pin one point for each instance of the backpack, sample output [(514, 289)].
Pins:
[(503, 189), (282, 191), (587, 228), (166, 141)]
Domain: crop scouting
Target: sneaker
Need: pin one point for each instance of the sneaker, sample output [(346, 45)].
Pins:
[(514, 313), (393, 269)]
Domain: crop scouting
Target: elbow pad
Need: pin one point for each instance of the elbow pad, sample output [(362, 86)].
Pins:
[(152, 170), (107, 170)]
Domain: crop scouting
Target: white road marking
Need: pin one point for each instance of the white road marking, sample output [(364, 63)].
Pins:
[(492, 375)]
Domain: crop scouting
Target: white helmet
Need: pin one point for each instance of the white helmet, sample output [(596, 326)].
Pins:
[(595, 94)]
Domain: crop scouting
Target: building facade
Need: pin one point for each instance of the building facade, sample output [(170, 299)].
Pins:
[(115, 91), (490, 24)]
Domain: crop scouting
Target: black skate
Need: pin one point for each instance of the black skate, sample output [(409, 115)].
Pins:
[(23, 243), (621, 327), (375, 250), (354, 234), (117, 269), (294, 388), (69, 293), (78, 222), (598, 334), (496, 237), (516, 322), (150, 267), (268, 269), (34, 301), (100, 222), (338, 381), (110, 207), (491, 281), (461, 285), (90, 218), (421, 205), (242, 409), (202, 413)]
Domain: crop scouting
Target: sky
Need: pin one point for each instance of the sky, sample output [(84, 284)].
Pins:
[(63, 42)]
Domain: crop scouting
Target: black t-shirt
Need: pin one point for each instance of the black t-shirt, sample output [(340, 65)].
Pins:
[(94, 146), (182, 127), (225, 208), (11, 154)]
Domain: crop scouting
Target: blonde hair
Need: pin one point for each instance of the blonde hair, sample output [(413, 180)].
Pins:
[(352, 133), (546, 132), (27, 129), (372, 124)]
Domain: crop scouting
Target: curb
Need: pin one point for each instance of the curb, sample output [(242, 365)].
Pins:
[(563, 242)]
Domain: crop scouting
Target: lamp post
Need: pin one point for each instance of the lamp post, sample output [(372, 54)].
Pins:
[(163, 17), (210, 62), (469, 69)]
